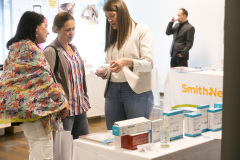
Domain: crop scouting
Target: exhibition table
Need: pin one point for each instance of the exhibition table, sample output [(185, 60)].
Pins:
[(207, 146), (192, 88)]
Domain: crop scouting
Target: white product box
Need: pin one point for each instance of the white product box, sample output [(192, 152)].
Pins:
[(175, 120), (203, 109), (214, 119), (117, 141), (155, 132), (218, 105), (130, 126), (192, 124)]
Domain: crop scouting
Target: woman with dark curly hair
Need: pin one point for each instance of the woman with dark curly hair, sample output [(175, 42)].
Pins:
[(29, 95)]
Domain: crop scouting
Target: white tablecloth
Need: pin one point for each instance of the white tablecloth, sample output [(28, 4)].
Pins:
[(203, 147), (192, 88)]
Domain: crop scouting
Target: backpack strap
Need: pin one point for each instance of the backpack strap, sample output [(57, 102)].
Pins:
[(57, 58)]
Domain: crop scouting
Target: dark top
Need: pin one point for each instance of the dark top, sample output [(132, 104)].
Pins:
[(181, 25)]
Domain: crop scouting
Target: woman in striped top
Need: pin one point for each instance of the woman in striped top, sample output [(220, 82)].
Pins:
[(70, 74)]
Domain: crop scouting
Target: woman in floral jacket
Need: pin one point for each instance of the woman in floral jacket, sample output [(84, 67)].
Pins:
[(29, 95)]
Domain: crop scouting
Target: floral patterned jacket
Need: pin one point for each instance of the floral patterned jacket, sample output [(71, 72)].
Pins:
[(27, 88)]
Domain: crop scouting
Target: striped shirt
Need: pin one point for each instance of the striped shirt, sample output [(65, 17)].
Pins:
[(78, 102)]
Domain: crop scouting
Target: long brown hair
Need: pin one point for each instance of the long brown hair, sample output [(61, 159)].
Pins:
[(124, 21)]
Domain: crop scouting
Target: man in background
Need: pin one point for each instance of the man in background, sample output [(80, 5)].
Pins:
[(183, 37)]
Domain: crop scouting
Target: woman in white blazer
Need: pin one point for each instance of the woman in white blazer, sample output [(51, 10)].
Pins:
[(130, 55)]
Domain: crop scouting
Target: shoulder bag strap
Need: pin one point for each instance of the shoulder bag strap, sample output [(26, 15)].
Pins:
[(57, 58)]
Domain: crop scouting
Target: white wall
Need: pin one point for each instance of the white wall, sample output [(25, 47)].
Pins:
[(206, 16), (89, 39)]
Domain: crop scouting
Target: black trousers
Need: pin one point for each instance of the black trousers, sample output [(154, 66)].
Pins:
[(179, 62)]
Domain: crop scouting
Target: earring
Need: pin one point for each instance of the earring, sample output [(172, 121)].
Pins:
[(36, 35)]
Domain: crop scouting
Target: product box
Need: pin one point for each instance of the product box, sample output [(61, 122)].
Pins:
[(203, 109), (117, 140), (175, 120), (154, 133), (214, 119), (131, 126), (218, 105), (133, 140), (192, 124)]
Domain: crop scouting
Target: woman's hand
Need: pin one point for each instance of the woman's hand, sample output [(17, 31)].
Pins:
[(64, 112), (117, 65), (101, 72)]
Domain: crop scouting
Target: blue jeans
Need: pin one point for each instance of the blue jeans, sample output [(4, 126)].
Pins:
[(78, 124), (123, 103)]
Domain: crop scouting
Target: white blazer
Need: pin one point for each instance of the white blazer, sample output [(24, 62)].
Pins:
[(139, 47)]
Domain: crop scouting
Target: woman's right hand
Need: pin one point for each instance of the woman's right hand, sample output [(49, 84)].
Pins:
[(101, 72)]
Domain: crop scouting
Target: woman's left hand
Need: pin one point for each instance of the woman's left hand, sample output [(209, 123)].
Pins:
[(117, 65), (64, 112)]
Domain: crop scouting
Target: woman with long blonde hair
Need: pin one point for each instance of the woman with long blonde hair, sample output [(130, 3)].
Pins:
[(130, 55)]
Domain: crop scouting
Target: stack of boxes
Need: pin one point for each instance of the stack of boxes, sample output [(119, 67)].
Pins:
[(211, 119), (130, 133), (204, 119)]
